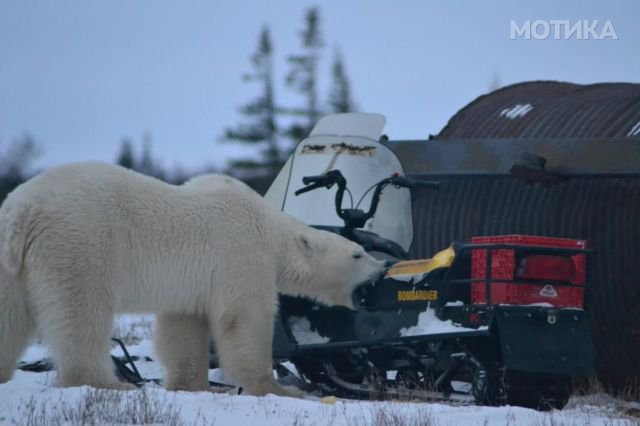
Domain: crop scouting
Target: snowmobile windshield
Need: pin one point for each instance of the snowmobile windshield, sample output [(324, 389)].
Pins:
[(346, 142)]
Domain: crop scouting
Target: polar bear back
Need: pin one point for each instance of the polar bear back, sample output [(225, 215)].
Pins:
[(150, 238)]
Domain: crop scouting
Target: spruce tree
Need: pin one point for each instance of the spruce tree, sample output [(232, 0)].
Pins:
[(126, 157), (146, 164), (303, 76), (340, 96), (15, 163), (263, 113), (262, 128)]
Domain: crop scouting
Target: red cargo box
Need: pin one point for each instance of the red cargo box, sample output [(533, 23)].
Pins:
[(540, 267)]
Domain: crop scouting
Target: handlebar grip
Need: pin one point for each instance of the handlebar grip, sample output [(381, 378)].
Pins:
[(407, 182), (309, 188), (403, 181), (314, 179), (427, 184)]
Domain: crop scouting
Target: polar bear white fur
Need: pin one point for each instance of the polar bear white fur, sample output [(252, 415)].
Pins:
[(81, 243)]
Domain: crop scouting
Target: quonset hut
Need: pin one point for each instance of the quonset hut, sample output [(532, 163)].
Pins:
[(546, 158)]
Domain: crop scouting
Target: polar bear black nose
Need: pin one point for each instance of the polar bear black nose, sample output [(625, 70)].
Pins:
[(357, 255)]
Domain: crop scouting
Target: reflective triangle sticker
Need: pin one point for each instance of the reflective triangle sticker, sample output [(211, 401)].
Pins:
[(548, 291)]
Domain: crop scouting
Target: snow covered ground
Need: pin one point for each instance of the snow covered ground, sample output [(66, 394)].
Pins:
[(32, 399)]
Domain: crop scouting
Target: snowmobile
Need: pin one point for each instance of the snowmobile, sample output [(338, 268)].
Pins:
[(497, 320)]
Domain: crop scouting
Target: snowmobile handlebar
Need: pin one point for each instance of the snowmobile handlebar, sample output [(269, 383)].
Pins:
[(396, 180), (319, 179), (326, 180), (308, 188), (355, 218), (406, 182)]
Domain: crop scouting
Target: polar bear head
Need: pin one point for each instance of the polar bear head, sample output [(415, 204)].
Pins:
[(328, 267)]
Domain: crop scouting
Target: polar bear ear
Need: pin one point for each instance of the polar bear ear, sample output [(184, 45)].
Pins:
[(311, 244), (305, 244)]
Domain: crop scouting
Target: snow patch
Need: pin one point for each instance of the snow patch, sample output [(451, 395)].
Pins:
[(292, 369), (429, 323), (134, 328), (540, 304), (516, 111), (34, 353), (301, 330)]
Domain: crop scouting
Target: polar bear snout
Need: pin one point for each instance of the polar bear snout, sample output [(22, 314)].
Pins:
[(375, 270), (379, 273), (388, 264)]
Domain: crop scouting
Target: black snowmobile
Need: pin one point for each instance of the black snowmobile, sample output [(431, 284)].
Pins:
[(496, 321)]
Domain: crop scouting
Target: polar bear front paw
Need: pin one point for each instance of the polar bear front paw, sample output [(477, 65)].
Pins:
[(274, 389), (289, 391), (295, 392)]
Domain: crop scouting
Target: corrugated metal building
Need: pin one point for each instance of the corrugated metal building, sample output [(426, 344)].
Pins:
[(550, 109), (589, 189)]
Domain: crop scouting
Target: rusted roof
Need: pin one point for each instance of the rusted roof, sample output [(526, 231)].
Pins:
[(550, 109)]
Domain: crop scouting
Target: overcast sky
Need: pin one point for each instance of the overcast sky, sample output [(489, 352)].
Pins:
[(81, 75)]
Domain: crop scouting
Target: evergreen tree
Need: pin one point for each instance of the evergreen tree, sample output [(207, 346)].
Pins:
[(126, 157), (15, 163), (303, 76), (340, 95), (146, 165), (262, 129)]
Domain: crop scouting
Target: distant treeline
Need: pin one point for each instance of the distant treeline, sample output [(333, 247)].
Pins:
[(271, 127), (17, 165), (144, 162), (16, 161)]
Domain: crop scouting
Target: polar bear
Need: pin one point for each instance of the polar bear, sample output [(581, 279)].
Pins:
[(83, 242)]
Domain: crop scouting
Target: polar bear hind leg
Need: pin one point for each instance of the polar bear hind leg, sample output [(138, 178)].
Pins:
[(77, 323), (16, 324), (182, 344)]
